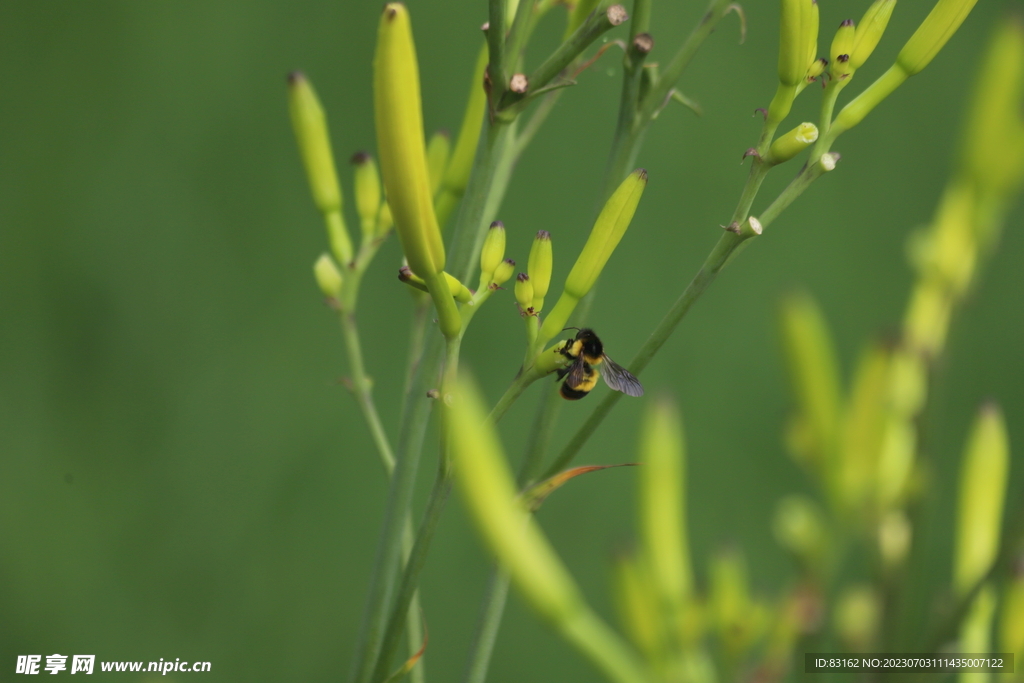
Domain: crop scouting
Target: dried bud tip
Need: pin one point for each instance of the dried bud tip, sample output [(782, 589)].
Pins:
[(763, 111), (497, 224), (359, 158), (543, 235), (643, 43), (732, 227), (295, 77), (751, 152), (843, 58), (522, 277), (616, 15), (433, 393), (405, 273), (847, 22), (390, 11), (510, 262), (641, 174), (443, 132), (519, 84)]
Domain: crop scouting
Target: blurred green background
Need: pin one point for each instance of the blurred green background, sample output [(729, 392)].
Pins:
[(181, 476)]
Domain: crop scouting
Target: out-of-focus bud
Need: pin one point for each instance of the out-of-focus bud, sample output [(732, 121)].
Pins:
[(399, 120), (737, 618), (438, 150), (367, 192), (842, 46), (863, 428), (458, 290), (539, 268), (524, 293), (788, 145), (608, 229), (410, 278), (636, 603), (456, 175), (328, 277), (894, 536), (384, 220), (1011, 625), (492, 252), (857, 617), (799, 528), (314, 142), (983, 478), (814, 375), (503, 272), (927, 318), (662, 513), (937, 28), (869, 31)]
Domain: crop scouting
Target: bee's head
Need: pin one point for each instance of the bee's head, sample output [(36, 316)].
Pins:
[(585, 334)]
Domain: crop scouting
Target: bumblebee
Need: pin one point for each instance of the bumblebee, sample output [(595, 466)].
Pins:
[(586, 351)]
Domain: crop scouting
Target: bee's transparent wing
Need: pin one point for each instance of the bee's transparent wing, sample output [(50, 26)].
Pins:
[(621, 379), (577, 373)]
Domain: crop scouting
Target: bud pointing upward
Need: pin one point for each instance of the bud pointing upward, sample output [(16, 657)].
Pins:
[(869, 31), (539, 267), (937, 28)]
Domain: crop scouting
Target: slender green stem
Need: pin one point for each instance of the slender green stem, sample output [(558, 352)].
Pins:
[(362, 392), (519, 33), (496, 48), (491, 611), (525, 379)]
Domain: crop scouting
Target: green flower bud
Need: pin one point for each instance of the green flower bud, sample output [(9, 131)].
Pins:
[(399, 122), (524, 293), (410, 278), (1011, 625), (438, 150), (816, 69), (790, 144), (795, 52), (938, 27), (384, 220), (800, 529), (636, 604), (492, 500), (842, 46), (328, 277), (869, 31), (662, 514), (367, 192), (314, 142), (503, 272), (539, 267), (492, 252), (609, 228), (456, 175), (811, 32), (982, 491), (311, 133), (894, 536), (857, 617), (458, 290)]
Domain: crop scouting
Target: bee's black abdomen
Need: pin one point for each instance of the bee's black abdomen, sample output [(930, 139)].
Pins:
[(570, 394)]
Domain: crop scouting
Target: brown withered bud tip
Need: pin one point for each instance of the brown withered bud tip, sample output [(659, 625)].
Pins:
[(764, 112), (642, 174), (643, 43), (390, 11), (359, 158), (497, 224), (510, 262), (543, 235), (847, 22), (433, 393), (616, 15), (296, 76), (843, 58), (405, 273), (751, 152), (522, 277), (518, 84)]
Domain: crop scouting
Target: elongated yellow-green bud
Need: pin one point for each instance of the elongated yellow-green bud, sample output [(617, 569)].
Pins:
[(328, 277), (524, 293), (456, 175), (385, 221), (314, 141), (539, 268), (1011, 625), (410, 278), (662, 512), (863, 428), (794, 25), (811, 32), (790, 144), (976, 630), (816, 69), (636, 603), (993, 146), (814, 375), (842, 46), (937, 28), (458, 290), (510, 531), (367, 192), (505, 270), (438, 150), (983, 478), (869, 31), (400, 142), (609, 228), (739, 620), (492, 252)]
